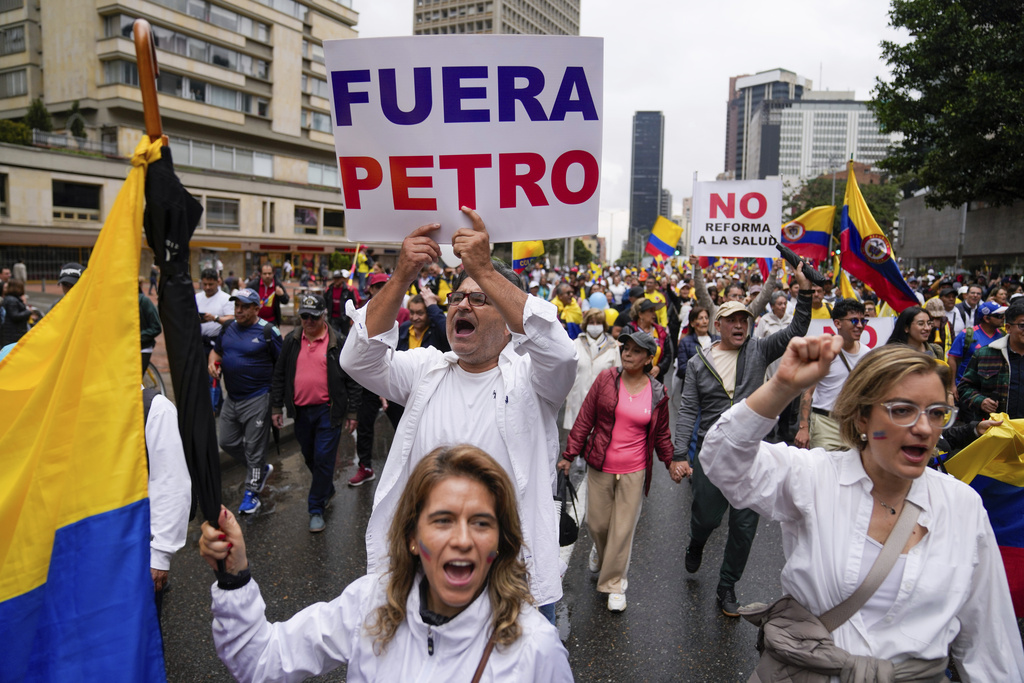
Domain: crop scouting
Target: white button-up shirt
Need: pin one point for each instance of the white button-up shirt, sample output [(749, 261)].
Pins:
[(953, 589)]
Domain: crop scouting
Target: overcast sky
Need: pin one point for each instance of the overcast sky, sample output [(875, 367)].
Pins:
[(677, 57)]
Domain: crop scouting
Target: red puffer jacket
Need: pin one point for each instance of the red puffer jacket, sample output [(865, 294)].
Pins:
[(592, 431)]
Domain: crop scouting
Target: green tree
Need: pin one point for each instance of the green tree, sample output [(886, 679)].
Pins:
[(37, 117), (626, 258), (882, 199), (553, 248), (580, 253), (15, 133), (956, 95), (77, 122)]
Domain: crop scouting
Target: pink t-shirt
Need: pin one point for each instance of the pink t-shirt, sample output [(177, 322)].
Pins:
[(311, 372), (627, 451)]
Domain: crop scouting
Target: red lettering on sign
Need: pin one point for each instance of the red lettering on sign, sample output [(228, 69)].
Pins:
[(872, 336), (351, 183), (509, 179), (762, 205), (560, 170), (465, 166), (728, 207), (401, 181)]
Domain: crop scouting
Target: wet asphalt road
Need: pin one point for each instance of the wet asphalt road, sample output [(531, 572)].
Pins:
[(670, 631)]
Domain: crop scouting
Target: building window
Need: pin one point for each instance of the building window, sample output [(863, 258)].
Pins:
[(334, 223), (181, 86), (320, 122), (268, 218), (12, 40), (218, 16), (76, 201), (3, 194), (13, 83), (262, 165), (222, 214), (316, 86), (307, 219), (323, 174)]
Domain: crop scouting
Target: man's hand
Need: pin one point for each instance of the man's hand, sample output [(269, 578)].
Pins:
[(694, 260), (986, 425), (806, 361), (279, 290), (225, 543), (429, 298), (214, 366), (563, 466), (989, 405), (802, 438), (680, 470), (654, 371), (350, 425), (801, 279), (418, 249), (473, 246), (277, 419), (383, 404), (159, 578)]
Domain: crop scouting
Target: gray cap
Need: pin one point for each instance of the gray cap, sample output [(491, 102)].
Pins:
[(641, 339), (69, 274)]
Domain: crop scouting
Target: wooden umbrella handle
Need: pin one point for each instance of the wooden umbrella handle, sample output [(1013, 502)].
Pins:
[(145, 57)]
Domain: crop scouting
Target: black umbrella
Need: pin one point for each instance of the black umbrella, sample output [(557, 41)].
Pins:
[(171, 216)]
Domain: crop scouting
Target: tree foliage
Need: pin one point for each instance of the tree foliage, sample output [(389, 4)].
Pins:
[(15, 133), (38, 117), (957, 96), (580, 253), (883, 199), (77, 126)]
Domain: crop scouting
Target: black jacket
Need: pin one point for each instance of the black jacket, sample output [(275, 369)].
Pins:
[(344, 392), (436, 334), (278, 300), (342, 322)]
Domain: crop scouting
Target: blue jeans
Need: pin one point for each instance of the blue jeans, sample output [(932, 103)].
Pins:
[(319, 444), (548, 611)]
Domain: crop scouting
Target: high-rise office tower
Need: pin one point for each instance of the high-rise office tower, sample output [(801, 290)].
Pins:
[(646, 174), (746, 93), (665, 206), (243, 94), (542, 17)]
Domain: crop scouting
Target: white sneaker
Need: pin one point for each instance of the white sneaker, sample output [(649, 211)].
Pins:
[(616, 602), (592, 564)]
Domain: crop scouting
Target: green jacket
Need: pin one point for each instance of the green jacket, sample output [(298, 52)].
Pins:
[(149, 321), (986, 376)]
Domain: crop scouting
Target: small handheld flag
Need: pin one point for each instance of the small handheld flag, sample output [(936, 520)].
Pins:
[(525, 253), (810, 234), (664, 238)]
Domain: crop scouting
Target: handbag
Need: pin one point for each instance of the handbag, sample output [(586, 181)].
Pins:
[(568, 527)]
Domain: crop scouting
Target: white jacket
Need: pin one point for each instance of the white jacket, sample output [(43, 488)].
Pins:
[(321, 637), (537, 369), (591, 361), (170, 487)]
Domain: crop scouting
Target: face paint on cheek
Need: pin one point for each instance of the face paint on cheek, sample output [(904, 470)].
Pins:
[(423, 551), (492, 556), (879, 436)]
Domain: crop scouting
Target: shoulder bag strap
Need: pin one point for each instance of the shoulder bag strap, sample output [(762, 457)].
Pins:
[(483, 660), (838, 615)]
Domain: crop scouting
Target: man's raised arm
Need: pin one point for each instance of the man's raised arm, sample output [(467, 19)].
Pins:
[(473, 246), (418, 250)]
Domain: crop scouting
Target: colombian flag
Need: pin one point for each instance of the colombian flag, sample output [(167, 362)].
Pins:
[(994, 467), (525, 253), (76, 595), (842, 280), (664, 238), (810, 234), (706, 262), (866, 252), (764, 265)]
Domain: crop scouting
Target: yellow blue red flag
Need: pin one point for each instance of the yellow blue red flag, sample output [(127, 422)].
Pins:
[(664, 238), (867, 254), (76, 594), (810, 234), (525, 253)]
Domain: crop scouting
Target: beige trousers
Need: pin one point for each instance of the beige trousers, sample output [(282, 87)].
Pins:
[(825, 433), (613, 509)]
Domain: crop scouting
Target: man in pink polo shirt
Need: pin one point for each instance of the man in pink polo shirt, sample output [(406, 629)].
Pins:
[(319, 396)]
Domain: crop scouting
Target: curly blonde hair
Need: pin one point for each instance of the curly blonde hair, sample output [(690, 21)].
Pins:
[(507, 582)]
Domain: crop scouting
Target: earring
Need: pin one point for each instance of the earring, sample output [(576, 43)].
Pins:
[(412, 549), (863, 437)]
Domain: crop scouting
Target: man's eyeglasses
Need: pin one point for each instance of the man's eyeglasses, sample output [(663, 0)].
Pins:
[(855, 321), (475, 298), (1019, 326), (309, 316), (904, 414)]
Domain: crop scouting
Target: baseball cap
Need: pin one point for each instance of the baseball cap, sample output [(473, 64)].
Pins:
[(991, 308), (245, 296), (641, 339), (377, 279), (69, 274), (946, 291), (636, 292), (643, 276), (312, 303), (729, 308), (339, 273), (648, 305)]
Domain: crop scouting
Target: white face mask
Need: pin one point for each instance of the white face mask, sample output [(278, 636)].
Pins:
[(595, 331)]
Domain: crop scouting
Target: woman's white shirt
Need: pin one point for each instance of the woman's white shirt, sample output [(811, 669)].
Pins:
[(953, 587), (327, 634), (593, 356)]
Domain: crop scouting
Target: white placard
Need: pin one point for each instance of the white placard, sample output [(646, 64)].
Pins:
[(508, 125), (876, 332), (737, 218)]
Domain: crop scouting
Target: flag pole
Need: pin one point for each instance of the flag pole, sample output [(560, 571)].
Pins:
[(145, 57)]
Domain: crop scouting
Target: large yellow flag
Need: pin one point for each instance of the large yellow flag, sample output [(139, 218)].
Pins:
[(76, 596)]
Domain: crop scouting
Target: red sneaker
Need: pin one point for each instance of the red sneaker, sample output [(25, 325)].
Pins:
[(363, 475)]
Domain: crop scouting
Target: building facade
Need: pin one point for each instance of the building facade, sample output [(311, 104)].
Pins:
[(645, 174), (531, 17), (746, 93), (816, 135), (244, 101)]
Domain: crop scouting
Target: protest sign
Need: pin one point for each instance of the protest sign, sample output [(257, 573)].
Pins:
[(876, 332), (508, 125), (737, 218)]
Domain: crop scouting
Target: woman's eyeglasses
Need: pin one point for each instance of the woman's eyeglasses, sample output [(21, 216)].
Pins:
[(904, 414), (475, 298)]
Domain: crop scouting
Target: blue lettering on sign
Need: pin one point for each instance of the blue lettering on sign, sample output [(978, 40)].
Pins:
[(422, 100), (455, 92), (508, 93), (343, 99), (574, 78)]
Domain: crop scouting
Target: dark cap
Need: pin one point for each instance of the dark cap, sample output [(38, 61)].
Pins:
[(69, 274), (641, 339), (245, 296), (312, 303), (946, 291), (636, 292), (648, 305)]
